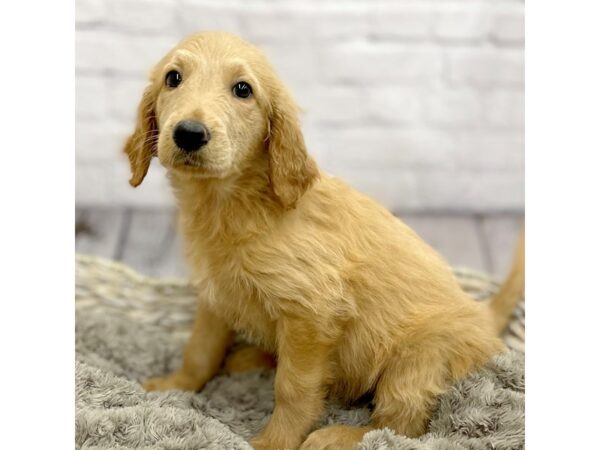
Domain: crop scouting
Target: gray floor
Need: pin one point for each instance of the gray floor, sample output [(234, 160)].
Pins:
[(146, 239)]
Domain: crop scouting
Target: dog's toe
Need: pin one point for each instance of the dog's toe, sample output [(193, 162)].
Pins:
[(174, 381)]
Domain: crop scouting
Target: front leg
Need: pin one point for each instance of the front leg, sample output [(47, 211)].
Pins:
[(301, 384), (202, 357)]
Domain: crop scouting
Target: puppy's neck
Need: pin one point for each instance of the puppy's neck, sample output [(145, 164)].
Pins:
[(226, 210)]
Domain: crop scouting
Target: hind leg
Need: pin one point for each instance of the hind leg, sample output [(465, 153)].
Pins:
[(404, 400), (407, 392), (248, 358)]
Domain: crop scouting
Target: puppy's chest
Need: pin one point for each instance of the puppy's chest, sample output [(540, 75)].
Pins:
[(234, 296)]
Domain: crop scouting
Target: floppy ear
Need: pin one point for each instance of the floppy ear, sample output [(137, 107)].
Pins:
[(141, 145), (291, 169)]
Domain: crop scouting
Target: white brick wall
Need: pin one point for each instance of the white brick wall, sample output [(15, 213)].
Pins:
[(416, 102)]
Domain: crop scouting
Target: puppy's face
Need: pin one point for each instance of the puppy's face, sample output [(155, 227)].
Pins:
[(210, 111), (212, 107)]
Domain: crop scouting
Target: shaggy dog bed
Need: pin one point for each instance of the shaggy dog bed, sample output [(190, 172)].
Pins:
[(129, 328)]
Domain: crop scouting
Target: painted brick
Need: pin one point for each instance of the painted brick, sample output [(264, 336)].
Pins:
[(462, 23), (90, 12), (456, 108), (386, 147), (393, 105), (125, 14), (107, 52), (505, 109), (100, 140), (93, 184), (335, 23), (90, 97), (486, 67), (488, 150), (394, 189), (298, 68), (508, 27), (399, 21), (302, 22), (196, 15), (461, 190), (124, 96), (380, 63), (276, 24), (333, 105)]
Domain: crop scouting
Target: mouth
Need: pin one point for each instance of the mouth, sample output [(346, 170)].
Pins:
[(191, 167), (180, 160), (188, 163), (187, 166)]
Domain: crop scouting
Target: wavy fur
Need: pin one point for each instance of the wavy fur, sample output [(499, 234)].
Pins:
[(348, 298)]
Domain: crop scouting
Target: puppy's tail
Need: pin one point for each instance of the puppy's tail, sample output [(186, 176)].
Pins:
[(511, 291)]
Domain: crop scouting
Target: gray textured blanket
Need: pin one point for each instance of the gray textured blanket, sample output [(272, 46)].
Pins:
[(115, 352)]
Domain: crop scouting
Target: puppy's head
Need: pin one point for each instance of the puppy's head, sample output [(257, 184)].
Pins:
[(212, 108)]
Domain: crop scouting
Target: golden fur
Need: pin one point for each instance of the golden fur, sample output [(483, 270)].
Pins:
[(348, 298)]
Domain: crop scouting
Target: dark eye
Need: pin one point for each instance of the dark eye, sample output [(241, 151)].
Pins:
[(173, 79), (242, 89)]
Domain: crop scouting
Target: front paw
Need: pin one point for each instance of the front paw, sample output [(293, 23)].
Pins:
[(264, 441), (335, 437), (175, 381), (259, 443)]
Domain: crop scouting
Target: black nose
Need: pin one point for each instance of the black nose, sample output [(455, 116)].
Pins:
[(190, 135)]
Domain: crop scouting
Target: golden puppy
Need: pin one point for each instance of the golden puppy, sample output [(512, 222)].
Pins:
[(347, 297)]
